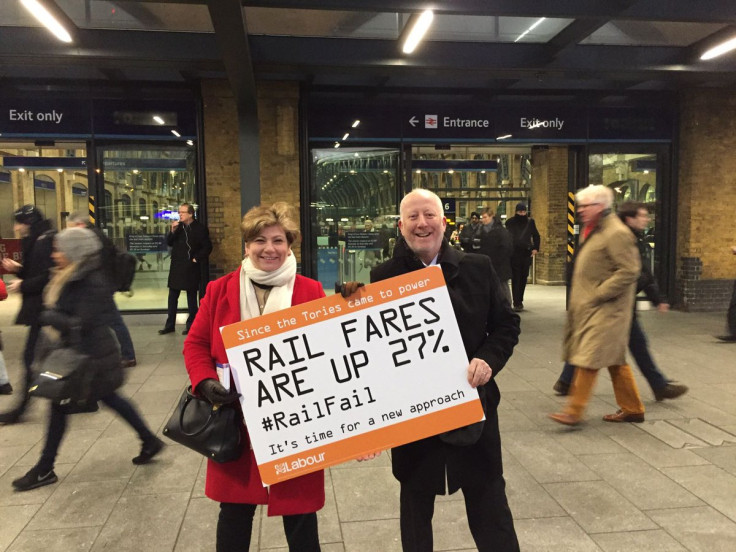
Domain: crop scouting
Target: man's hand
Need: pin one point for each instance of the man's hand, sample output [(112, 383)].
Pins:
[(663, 307), (174, 225), (369, 456), (14, 286), (534, 252), (348, 288), (479, 373), (733, 249), (11, 266)]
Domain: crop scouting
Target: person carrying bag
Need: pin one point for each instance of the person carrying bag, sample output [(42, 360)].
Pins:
[(78, 303)]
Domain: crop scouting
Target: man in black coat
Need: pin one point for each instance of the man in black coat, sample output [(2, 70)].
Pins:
[(190, 245), (490, 330), (37, 240), (526, 245), (496, 242)]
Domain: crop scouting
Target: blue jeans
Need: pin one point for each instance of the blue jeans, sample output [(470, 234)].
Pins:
[(57, 427), (127, 352), (640, 351)]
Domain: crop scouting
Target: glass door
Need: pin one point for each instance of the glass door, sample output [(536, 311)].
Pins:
[(353, 212), (142, 188)]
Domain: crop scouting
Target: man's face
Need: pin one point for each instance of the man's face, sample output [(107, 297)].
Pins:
[(22, 229), (589, 212), (474, 219), (521, 213), (422, 225), (185, 217), (485, 218), (640, 221)]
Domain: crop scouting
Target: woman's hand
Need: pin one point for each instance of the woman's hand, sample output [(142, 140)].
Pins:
[(214, 392), (348, 288), (369, 456)]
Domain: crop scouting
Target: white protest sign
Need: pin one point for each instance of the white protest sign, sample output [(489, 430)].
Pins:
[(329, 380)]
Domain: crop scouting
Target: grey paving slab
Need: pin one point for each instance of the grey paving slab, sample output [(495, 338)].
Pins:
[(108, 459), (527, 498), (198, 528), (700, 529), (56, 540), (149, 522), (9, 497), (646, 487), (372, 536), (553, 534), (365, 493), (14, 519), (174, 469), (713, 485), (649, 541), (76, 443), (706, 432), (723, 457), (598, 507), (450, 526)]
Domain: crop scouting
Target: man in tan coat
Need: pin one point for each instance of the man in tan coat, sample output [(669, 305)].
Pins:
[(600, 309)]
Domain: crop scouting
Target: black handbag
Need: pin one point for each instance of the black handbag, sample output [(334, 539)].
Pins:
[(64, 375), (209, 429)]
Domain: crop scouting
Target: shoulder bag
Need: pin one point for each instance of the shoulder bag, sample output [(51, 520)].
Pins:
[(64, 374), (209, 429)]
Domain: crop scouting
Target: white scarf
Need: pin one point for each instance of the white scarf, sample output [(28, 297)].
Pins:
[(282, 280)]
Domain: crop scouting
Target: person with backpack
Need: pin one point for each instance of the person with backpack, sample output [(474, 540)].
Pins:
[(526, 245), (112, 274), (37, 239)]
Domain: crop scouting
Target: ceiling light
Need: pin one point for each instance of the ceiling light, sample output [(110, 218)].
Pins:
[(47, 19), (419, 171), (158, 119), (21, 170), (504, 137), (720, 49), (190, 143), (450, 171), (530, 29), (345, 136), (337, 144), (59, 170), (176, 134), (356, 123), (418, 25)]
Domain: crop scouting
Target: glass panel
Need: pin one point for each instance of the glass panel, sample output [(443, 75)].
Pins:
[(54, 178), (633, 177), (473, 178), (651, 33), (353, 212), (143, 190)]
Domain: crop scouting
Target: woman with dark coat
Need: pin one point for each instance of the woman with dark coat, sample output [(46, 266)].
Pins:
[(78, 302), (266, 282)]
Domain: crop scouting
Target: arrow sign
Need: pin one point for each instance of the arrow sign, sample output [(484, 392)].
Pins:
[(413, 121)]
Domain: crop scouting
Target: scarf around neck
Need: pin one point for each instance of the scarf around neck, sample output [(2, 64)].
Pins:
[(282, 280)]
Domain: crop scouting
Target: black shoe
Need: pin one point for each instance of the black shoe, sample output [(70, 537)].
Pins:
[(727, 338), (561, 388), (9, 418), (185, 332), (519, 307), (165, 331), (6, 389), (149, 449), (128, 363), (670, 391), (34, 479)]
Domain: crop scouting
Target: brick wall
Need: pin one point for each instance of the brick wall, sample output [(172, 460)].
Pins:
[(549, 206), (279, 152), (706, 226)]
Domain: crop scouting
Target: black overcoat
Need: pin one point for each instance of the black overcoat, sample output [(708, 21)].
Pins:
[(490, 330), (497, 244), (188, 242), (36, 247)]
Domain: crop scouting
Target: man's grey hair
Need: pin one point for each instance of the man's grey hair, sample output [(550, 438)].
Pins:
[(426, 194), (77, 217), (595, 193)]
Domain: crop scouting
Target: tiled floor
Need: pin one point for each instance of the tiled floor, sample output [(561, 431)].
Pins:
[(666, 485)]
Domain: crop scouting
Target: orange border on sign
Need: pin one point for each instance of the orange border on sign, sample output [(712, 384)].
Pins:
[(379, 439), (431, 278)]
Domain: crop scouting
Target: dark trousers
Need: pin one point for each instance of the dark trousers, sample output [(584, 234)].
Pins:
[(235, 524), (639, 349), (192, 307), (29, 352), (127, 352), (57, 427), (731, 316), (489, 518), (520, 263)]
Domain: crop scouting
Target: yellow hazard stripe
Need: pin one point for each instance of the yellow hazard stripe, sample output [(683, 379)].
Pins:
[(92, 215)]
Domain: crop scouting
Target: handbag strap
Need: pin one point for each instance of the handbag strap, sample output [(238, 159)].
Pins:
[(189, 398)]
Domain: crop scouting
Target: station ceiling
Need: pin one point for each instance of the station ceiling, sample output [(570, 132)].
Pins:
[(503, 46)]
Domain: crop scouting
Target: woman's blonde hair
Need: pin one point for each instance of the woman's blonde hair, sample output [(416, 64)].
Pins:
[(262, 216)]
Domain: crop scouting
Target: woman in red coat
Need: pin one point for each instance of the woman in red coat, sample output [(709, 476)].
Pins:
[(266, 282)]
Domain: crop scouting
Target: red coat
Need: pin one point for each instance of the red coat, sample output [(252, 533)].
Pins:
[(238, 481)]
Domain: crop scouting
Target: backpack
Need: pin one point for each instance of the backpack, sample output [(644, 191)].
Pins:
[(124, 270)]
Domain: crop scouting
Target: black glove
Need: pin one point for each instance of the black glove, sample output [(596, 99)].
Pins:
[(213, 391), (346, 289)]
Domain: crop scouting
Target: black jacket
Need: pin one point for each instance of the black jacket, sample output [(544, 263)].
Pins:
[(470, 233), (82, 315), (496, 243), (490, 330), (37, 247), (646, 281), (188, 243), (524, 233)]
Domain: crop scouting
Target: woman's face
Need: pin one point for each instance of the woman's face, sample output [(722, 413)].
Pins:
[(268, 251), (60, 260)]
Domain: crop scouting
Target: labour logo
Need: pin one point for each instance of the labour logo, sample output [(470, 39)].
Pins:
[(430, 121)]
